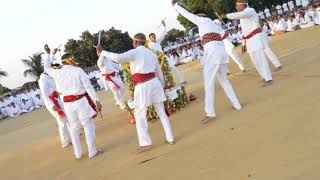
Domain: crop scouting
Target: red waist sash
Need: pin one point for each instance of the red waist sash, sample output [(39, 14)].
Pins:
[(225, 36), (253, 33), (142, 78), (211, 37), (68, 99), (108, 78), (54, 98)]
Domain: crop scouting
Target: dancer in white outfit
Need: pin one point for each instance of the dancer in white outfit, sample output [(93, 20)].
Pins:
[(148, 80), (111, 80), (54, 105), (215, 59), (79, 99)]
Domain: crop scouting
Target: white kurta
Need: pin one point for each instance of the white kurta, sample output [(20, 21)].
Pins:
[(249, 21), (71, 81), (215, 61), (214, 51), (48, 87), (144, 61), (107, 67)]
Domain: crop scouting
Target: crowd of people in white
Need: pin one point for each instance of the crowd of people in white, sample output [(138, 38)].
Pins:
[(20, 102), (279, 19), (288, 17)]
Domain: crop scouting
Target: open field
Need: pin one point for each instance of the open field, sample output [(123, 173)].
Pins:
[(275, 137)]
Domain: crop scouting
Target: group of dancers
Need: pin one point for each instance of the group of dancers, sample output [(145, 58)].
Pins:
[(72, 100)]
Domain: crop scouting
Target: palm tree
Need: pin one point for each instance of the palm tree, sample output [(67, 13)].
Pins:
[(34, 65), (3, 73)]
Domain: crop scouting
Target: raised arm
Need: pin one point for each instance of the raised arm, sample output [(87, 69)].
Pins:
[(119, 58), (162, 33), (183, 12), (241, 15)]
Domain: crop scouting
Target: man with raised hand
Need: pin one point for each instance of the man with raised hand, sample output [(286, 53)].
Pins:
[(215, 60)]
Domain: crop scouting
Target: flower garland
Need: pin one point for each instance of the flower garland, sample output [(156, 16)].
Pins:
[(171, 106)]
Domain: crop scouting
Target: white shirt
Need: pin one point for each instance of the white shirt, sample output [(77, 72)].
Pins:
[(70, 80), (47, 87), (281, 26), (141, 59), (106, 66), (249, 20), (267, 12), (291, 5), (206, 25), (298, 2), (285, 7), (213, 49), (305, 3), (279, 9), (156, 46)]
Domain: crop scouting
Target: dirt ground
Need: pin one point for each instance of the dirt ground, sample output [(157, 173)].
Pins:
[(275, 136)]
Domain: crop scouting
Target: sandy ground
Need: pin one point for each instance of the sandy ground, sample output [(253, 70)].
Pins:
[(275, 136)]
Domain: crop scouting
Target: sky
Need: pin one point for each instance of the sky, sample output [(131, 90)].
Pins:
[(26, 25)]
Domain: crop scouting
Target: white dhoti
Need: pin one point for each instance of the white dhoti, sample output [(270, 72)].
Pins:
[(117, 93), (212, 72), (256, 46), (231, 51), (259, 61), (175, 71), (236, 58), (147, 94), (80, 113), (269, 53), (63, 127)]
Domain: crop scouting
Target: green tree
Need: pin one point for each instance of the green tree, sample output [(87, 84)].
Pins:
[(221, 7), (3, 90), (34, 66), (3, 73), (172, 36), (112, 40)]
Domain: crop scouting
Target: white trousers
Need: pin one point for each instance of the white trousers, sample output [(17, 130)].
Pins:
[(212, 72), (63, 127), (142, 124), (117, 93), (236, 58), (260, 62), (272, 57), (90, 135), (177, 74)]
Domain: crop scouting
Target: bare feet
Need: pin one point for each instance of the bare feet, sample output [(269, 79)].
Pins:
[(207, 119), (99, 152), (143, 149), (278, 69), (183, 83), (171, 143), (267, 83)]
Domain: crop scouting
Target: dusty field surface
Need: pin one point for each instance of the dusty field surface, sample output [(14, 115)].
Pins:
[(275, 137)]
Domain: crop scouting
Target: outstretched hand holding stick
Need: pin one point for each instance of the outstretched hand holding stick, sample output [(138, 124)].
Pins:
[(99, 109)]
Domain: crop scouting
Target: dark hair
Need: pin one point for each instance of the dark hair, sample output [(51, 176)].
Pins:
[(66, 56), (141, 37), (152, 34), (199, 11)]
